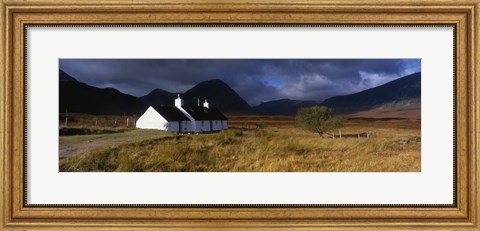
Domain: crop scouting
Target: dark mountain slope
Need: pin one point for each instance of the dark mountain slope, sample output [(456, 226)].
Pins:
[(405, 90), (66, 77), (219, 95), (159, 97), (81, 98)]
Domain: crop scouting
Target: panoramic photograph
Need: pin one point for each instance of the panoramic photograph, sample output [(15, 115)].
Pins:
[(239, 115)]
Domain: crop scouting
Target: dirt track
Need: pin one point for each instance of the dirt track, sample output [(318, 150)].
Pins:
[(70, 145)]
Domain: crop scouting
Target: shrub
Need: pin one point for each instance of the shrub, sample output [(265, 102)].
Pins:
[(318, 119)]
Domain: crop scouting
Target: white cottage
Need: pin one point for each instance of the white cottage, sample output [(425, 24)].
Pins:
[(183, 118), (164, 118)]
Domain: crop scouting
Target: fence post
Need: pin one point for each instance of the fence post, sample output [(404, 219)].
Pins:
[(66, 117), (358, 134), (127, 122), (340, 133)]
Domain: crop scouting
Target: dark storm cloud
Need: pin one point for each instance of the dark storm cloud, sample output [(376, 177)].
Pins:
[(255, 80)]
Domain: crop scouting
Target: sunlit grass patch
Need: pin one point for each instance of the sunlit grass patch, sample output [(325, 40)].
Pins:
[(273, 149)]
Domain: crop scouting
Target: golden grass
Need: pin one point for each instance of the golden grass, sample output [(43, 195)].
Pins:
[(393, 148)]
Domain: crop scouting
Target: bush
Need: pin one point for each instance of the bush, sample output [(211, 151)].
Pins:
[(318, 119)]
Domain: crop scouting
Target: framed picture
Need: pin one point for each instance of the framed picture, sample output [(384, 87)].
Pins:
[(242, 115)]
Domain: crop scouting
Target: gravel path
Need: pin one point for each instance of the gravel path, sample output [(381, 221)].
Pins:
[(70, 145)]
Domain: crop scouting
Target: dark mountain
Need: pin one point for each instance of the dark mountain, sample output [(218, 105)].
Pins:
[(283, 106), (219, 95), (159, 97), (81, 98), (402, 91), (66, 77)]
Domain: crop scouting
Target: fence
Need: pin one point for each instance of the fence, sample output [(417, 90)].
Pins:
[(357, 134), (100, 121)]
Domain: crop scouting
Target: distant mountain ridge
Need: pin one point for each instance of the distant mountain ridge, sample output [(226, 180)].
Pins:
[(283, 106), (159, 97), (216, 92), (400, 97), (392, 98), (79, 97), (402, 91)]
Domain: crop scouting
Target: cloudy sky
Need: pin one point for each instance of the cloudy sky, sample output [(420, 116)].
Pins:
[(255, 80)]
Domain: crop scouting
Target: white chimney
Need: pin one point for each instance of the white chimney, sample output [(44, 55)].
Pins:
[(205, 104), (178, 101)]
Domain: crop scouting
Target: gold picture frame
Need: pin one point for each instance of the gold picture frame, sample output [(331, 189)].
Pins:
[(464, 15)]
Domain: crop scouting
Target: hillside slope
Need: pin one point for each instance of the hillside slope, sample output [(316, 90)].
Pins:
[(81, 98), (403, 91)]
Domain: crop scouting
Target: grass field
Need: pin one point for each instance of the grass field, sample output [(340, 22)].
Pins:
[(394, 146)]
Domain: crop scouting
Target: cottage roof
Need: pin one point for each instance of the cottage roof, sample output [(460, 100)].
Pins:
[(203, 113), (170, 113), (216, 114)]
